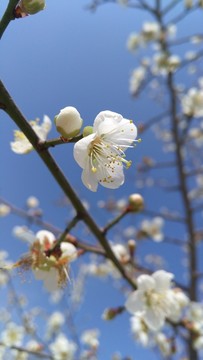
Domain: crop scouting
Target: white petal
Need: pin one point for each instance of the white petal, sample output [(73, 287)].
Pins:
[(110, 177), (46, 124), (80, 151), (145, 283), (135, 302), (69, 251), (89, 179), (154, 320), (21, 147), (45, 235), (110, 119), (162, 279)]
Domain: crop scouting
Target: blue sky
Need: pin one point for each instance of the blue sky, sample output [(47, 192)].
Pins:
[(68, 56)]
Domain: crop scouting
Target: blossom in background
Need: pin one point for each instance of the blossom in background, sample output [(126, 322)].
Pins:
[(4, 210), (154, 299), (91, 338), (133, 42), (12, 335), (152, 228), (62, 348), (192, 102), (101, 154), (164, 64), (150, 31), (136, 80), (54, 323), (68, 122), (21, 144), (32, 202), (47, 262)]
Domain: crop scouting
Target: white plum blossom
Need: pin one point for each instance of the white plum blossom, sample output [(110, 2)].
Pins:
[(133, 42), (101, 154), (192, 102), (68, 122), (62, 348), (152, 228), (91, 338), (32, 202), (137, 77), (153, 299), (150, 31), (21, 144), (4, 210), (12, 335), (163, 63), (140, 330), (49, 262), (54, 323)]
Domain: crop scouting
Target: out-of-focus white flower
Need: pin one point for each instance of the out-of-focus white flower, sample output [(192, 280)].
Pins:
[(32, 202), (192, 103), (31, 6), (4, 210), (163, 344), (91, 338), (101, 154), (47, 262), (140, 330), (62, 348), (153, 299), (137, 77), (54, 323), (68, 122), (150, 31), (164, 64), (21, 144), (12, 335), (23, 233), (121, 253), (133, 42), (153, 228)]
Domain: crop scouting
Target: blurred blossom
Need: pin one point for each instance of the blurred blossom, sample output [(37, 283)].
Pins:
[(62, 348), (133, 42), (32, 202), (152, 228), (21, 144), (4, 210), (91, 338), (136, 79), (192, 102), (54, 323), (47, 262), (154, 299), (23, 233), (164, 344), (12, 335), (150, 31)]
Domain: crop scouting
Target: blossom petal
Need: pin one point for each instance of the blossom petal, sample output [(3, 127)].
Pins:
[(89, 179), (80, 151), (145, 283), (135, 302), (162, 279), (153, 319)]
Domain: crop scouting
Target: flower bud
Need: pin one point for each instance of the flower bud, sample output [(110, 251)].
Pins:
[(88, 130), (111, 313), (136, 202), (68, 122), (32, 6)]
